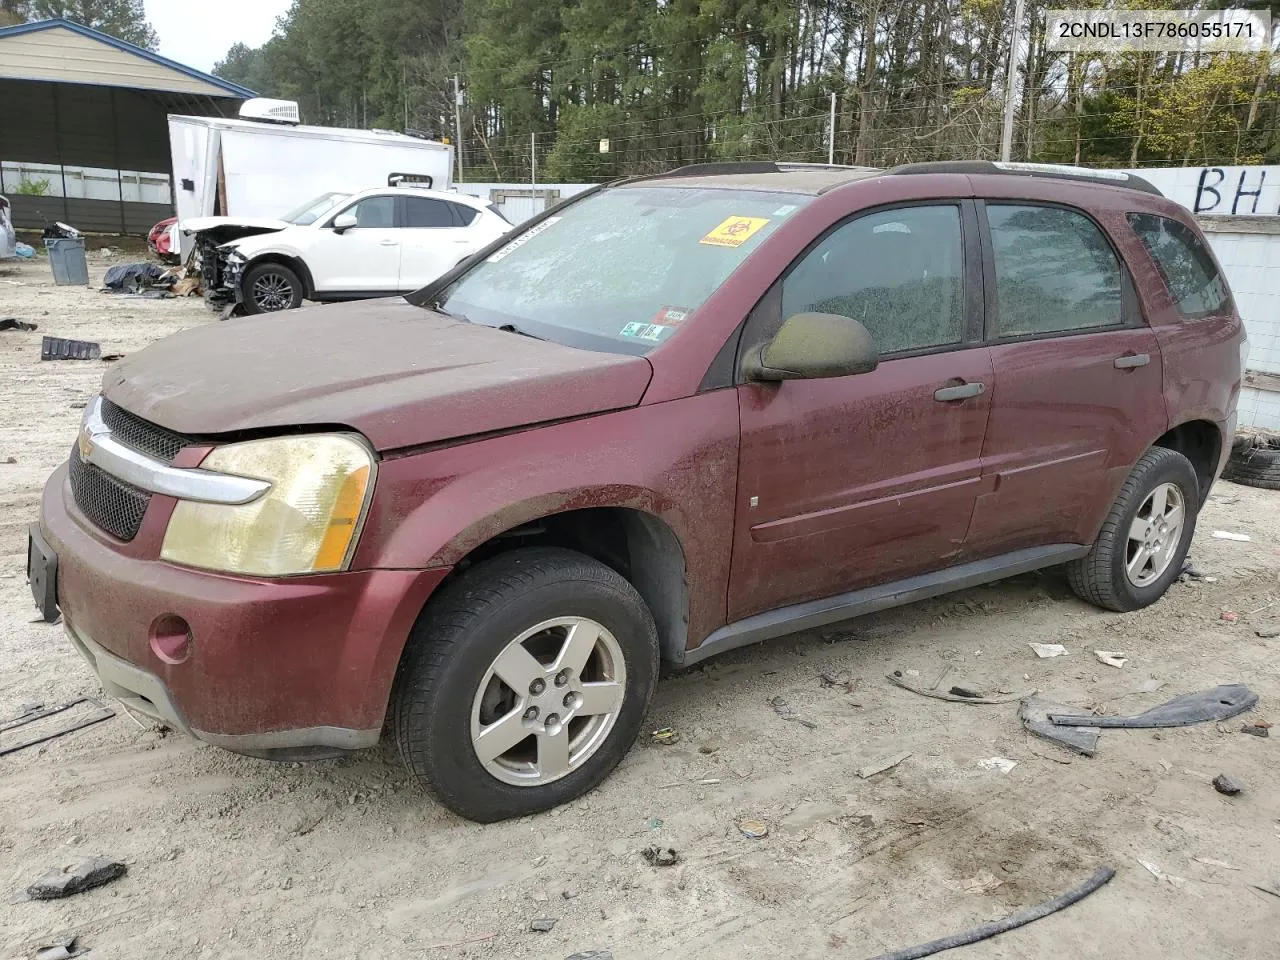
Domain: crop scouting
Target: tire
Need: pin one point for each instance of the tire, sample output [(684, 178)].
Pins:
[(270, 287), (1255, 461), (1101, 576), (447, 688)]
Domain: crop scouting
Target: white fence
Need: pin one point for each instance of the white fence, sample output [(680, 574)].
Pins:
[(520, 201), (85, 183)]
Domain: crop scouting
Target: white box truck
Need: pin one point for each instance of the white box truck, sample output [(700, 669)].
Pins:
[(266, 163)]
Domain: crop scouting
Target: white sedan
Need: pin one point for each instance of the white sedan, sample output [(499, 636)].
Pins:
[(375, 243)]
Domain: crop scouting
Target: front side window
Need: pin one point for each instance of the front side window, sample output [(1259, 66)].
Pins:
[(1055, 271), (374, 212), (619, 270), (425, 212), (1188, 270), (899, 272)]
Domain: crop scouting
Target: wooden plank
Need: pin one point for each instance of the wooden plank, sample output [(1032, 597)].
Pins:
[(1261, 380), (1239, 224)]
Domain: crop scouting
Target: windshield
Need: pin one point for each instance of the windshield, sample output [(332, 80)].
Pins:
[(313, 210), (619, 271)]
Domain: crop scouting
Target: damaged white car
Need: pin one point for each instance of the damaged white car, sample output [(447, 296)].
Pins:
[(340, 246), (8, 238)]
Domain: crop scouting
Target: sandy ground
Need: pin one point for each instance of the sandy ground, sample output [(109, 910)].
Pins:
[(233, 857)]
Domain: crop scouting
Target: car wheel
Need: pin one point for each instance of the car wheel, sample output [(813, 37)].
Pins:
[(524, 683), (1255, 461), (1144, 539), (269, 287)]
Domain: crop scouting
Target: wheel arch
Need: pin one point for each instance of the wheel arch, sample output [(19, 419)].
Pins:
[(1201, 442), (296, 264)]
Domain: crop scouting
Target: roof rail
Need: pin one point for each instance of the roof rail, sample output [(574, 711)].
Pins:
[(1117, 178), (721, 168), (797, 165)]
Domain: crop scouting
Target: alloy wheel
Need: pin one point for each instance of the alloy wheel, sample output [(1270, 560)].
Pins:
[(271, 291), (1155, 534)]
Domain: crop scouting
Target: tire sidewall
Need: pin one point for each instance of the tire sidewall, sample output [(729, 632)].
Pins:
[(1176, 470), (446, 725), (254, 272)]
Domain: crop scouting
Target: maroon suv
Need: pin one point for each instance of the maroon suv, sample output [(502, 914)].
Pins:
[(673, 416)]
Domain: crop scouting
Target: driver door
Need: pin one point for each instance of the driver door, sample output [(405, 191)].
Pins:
[(363, 259), (852, 481)]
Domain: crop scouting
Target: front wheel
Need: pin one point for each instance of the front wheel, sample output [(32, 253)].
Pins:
[(1145, 538), (269, 287), (525, 683)]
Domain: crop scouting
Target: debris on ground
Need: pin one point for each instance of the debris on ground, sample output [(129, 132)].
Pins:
[(1220, 703), (1046, 650), (880, 766), (13, 323), (897, 678), (83, 876), (57, 348), (61, 949), (783, 709), (1230, 616), (1111, 658), (1012, 922), (1003, 764), (25, 250), (984, 881), (1210, 862), (1034, 714), (753, 828), (1266, 633), (591, 955), (660, 856), (1271, 888), (1152, 869), (1227, 535), (97, 714), (1226, 785), (667, 736), (132, 277), (1256, 729), (845, 682), (542, 924)]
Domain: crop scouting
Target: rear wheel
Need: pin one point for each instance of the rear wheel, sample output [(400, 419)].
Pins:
[(525, 683), (1143, 541), (269, 287)]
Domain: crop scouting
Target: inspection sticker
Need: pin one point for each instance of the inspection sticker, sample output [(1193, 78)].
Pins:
[(671, 316), (521, 240), (653, 332), (734, 232)]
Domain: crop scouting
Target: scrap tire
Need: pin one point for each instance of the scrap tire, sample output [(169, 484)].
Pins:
[(1255, 462), (1099, 577), (454, 644), (283, 279)]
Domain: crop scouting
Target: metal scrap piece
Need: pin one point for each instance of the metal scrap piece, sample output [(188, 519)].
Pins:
[(96, 716), (1220, 703), (924, 691)]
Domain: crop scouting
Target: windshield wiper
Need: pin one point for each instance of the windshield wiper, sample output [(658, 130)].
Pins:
[(512, 328)]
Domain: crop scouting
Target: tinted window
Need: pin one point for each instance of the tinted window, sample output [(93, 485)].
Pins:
[(899, 272), (1188, 270), (425, 212), (464, 214), (1055, 271), (374, 212)]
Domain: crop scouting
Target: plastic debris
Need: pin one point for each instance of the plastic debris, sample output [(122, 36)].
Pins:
[(542, 924), (1256, 730), (1227, 535), (1230, 616), (1034, 714), (1226, 785), (667, 735), (1003, 764), (83, 876), (25, 250), (1111, 658), (61, 949), (1210, 862), (783, 709), (1266, 633), (880, 766), (984, 881), (1220, 703), (591, 955), (660, 856), (13, 323), (1047, 650), (753, 828), (58, 348), (1152, 869)]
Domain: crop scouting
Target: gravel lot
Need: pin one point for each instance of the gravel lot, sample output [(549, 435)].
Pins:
[(236, 858)]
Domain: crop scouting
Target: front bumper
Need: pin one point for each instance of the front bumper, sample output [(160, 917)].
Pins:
[(287, 664)]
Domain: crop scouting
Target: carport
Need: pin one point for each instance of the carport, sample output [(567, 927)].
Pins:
[(84, 135)]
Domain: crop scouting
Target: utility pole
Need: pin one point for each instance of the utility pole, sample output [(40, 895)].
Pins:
[(831, 133), (1010, 97), (404, 92), (533, 160), (457, 123)]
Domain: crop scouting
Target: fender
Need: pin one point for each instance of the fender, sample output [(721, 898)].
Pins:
[(292, 261), (431, 508)]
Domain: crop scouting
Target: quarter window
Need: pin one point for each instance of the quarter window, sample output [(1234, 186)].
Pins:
[(1188, 270), (900, 272), (1055, 271)]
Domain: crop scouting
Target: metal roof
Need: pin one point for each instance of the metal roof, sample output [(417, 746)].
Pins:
[(779, 177), (70, 70)]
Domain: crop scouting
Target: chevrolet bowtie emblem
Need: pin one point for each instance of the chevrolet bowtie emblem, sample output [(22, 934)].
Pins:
[(86, 441)]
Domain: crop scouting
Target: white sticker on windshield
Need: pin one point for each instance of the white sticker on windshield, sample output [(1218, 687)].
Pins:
[(784, 210), (521, 240)]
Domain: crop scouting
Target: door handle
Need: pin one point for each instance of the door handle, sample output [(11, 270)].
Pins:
[(1132, 360), (962, 391), (388, 243)]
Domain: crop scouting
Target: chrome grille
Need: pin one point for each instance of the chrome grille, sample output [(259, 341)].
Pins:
[(115, 506)]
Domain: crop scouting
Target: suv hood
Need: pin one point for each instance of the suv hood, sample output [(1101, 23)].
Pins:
[(222, 229), (399, 374)]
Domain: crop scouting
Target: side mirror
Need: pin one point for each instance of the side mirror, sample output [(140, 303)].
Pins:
[(344, 222), (814, 345)]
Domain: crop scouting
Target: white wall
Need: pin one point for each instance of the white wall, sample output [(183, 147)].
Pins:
[(88, 183), (1232, 191), (520, 201)]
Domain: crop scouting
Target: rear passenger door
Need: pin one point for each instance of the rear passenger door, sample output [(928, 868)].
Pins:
[(434, 239), (1078, 384)]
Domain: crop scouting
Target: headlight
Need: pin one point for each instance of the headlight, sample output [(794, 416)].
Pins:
[(306, 522)]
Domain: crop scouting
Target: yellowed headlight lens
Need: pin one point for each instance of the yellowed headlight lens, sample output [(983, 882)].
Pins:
[(306, 522)]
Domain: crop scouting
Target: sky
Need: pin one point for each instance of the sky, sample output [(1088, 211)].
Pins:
[(198, 33)]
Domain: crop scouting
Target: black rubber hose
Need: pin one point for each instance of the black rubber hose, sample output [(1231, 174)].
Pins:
[(1019, 919)]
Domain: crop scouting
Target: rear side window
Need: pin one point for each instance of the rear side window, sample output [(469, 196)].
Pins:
[(899, 272), (1188, 270), (425, 212), (1055, 271), (464, 214)]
